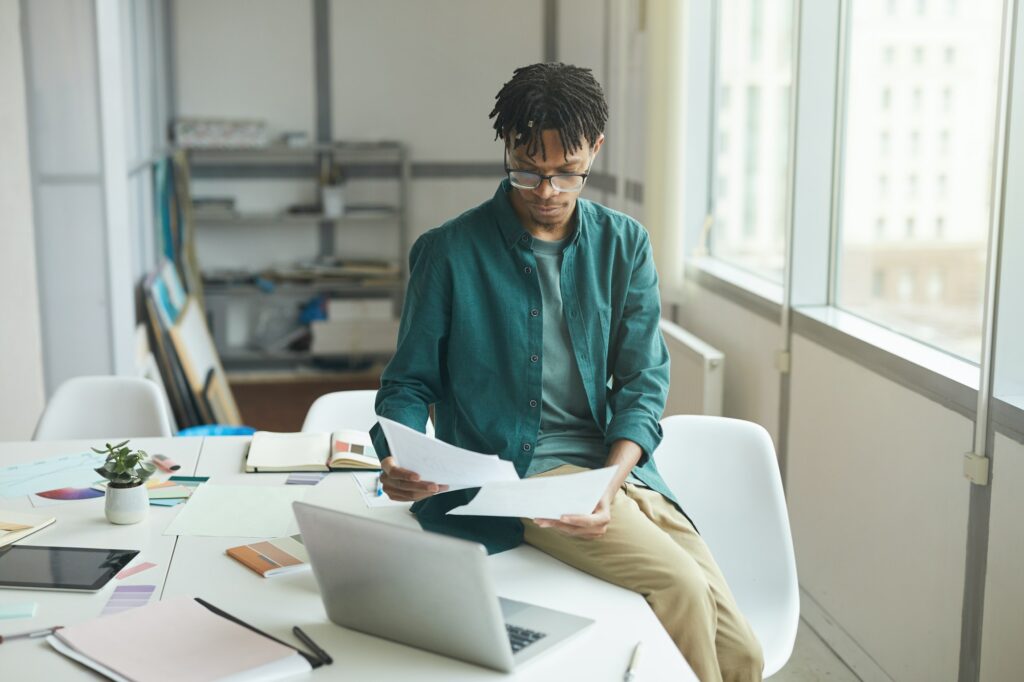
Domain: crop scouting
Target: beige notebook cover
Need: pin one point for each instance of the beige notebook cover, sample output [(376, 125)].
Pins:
[(344, 449), (17, 525)]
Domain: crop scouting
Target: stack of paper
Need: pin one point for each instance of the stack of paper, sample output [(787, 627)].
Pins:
[(502, 492)]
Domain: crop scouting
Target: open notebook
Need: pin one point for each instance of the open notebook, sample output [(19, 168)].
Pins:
[(14, 525), (345, 449)]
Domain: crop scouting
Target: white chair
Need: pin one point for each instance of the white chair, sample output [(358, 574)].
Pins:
[(345, 410), (726, 477), (104, 407)]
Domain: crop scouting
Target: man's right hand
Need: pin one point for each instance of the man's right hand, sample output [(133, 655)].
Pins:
[(404, 485)]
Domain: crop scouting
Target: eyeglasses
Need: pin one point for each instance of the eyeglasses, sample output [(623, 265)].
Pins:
[(560, 182)]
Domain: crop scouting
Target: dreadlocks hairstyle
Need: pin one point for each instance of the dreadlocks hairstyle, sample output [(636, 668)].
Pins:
[(550, 96)]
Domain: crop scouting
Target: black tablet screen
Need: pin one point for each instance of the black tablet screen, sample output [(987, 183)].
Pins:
[(60, 568)]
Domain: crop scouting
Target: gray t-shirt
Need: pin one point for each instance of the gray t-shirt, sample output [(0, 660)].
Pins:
[(568, 432)]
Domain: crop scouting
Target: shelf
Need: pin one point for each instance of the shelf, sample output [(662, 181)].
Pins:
[(343, 153), (292, 289), (224, 219)]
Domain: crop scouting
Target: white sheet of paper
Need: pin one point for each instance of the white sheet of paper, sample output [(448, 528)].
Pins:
[(547, 497), (249, 511), (441, 463), (366, 482)]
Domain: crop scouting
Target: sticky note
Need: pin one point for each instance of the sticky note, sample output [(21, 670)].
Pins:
[(26, 609)]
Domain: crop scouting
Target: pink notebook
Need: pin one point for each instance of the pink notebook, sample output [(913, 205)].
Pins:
[(205, 645)]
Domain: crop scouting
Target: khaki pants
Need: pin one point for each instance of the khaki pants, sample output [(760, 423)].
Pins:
[(652, 549)]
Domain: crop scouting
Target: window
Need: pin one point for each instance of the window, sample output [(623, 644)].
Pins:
[(945, 248), (751, 155)]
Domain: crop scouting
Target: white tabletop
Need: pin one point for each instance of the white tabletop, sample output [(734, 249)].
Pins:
[(197, 566)]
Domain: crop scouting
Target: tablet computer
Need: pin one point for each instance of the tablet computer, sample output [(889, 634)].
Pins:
[(84, 569)]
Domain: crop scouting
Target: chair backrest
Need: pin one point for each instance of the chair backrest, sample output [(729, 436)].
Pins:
[(104, 407), (725, 474), (345, 410)]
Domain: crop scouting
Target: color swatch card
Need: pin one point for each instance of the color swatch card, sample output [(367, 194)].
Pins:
[(132, 570), (305, 478), (128, 597)]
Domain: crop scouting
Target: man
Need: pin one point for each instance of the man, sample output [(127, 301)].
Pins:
[(531, 324)]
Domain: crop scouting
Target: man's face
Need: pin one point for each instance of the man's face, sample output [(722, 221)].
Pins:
[(545, 208)]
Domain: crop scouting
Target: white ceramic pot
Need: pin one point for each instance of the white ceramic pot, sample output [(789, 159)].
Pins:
[(127, 505)]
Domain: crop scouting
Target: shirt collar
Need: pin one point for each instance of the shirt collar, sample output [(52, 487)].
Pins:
[(512, 229)]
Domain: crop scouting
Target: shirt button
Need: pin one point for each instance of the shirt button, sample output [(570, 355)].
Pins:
[(527, 447), (527, 269), (534, 358), (533, 403), (525, 238), (534, 313)]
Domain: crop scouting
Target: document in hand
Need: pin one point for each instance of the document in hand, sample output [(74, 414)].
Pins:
[(546, 497), (441, 463), (205, 646)]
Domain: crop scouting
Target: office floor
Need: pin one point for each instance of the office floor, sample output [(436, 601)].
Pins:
[(812, 660)]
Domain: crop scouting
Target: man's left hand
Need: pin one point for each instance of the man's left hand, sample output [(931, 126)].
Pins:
[(586, 526)]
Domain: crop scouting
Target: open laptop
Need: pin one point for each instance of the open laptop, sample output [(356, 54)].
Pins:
[(426, 590)]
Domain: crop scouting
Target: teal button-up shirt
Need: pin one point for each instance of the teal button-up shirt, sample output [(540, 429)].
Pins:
[(471, 344)]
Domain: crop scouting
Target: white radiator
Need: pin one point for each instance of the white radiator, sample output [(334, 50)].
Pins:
[(698, 372)]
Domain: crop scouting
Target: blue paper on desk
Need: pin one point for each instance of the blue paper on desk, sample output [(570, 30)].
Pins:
[(65, 471)]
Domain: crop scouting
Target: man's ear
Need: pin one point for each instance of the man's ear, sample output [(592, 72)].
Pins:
[(597, 144)]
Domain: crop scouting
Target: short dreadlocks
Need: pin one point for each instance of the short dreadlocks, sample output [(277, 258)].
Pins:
[(550, 96)]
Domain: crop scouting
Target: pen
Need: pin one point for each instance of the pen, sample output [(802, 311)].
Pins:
[(380, 487), (32, 634), (634, 664), (324, 656)]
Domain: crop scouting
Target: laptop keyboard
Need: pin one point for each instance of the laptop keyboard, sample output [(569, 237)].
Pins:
[(520, 638)]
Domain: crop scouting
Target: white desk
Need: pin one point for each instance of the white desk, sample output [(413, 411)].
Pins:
[(197, 566)]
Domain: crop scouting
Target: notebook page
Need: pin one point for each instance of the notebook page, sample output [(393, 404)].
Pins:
[(288, 450)]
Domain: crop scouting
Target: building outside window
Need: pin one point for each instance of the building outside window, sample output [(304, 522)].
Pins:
[(751, 156), (950, 144)]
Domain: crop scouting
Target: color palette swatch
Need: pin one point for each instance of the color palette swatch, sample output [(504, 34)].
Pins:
[(128, 597), (59, 495), (304, 478), (132, 570)]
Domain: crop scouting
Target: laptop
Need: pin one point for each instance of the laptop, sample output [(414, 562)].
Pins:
[(423, 589)]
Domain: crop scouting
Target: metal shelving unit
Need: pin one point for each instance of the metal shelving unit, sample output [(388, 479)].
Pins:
[(317, 164)]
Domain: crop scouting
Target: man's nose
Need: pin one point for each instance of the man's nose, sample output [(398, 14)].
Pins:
[(545, 190)]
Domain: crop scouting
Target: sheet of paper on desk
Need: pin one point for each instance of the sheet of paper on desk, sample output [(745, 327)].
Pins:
[(48, 474), (438, 462), (366, 482), (248, 511), (546, 497)]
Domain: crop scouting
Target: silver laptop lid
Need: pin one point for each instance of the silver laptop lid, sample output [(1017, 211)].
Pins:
[(423, 589)]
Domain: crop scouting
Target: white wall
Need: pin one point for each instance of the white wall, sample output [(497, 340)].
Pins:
[(1002, 657), (21, 360), (879, 508), (749, 343), (390, 79)]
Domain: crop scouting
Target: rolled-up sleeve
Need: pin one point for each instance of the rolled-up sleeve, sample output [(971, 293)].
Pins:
[(413, 379), (639, 361)]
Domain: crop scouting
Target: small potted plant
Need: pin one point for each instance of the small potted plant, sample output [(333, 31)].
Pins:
[(126, 470)]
